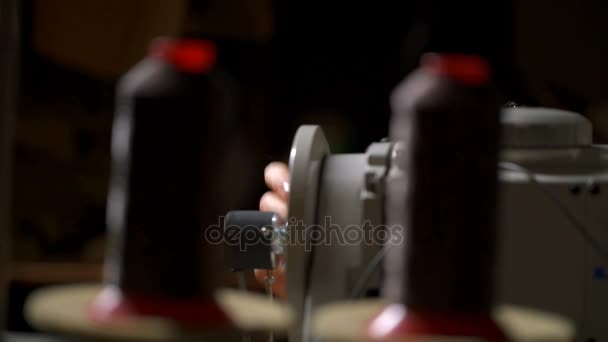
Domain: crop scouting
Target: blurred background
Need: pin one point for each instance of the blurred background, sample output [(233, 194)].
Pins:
[(332, 63)]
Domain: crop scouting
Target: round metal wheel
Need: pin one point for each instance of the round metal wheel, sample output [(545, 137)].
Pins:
[(305, 162)]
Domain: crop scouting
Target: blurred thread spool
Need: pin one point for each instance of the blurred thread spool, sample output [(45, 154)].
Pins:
[(59, 309), (170, 123), (442, 190), (344, 322)]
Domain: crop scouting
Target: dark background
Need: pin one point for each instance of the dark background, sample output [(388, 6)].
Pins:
[(332, 63)]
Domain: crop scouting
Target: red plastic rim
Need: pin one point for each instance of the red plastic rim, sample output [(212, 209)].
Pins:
[(188, 55), (468, 69), (395, 322), (112, 305)]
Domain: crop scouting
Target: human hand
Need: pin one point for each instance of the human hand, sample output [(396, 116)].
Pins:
[(277, 178)]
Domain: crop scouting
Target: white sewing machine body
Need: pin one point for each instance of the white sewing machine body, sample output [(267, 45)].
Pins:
[(553, 237), (544, 260)]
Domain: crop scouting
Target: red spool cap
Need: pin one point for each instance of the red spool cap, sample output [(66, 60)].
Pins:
[(468, 69), (188, 55), (112, 305)]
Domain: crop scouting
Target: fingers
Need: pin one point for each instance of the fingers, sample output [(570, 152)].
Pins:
[(277, 178), (271, 201)]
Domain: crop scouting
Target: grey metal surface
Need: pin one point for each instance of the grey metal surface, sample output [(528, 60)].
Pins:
[(532, 127), (339, 225), (336, 201), (546, 260), (541, 256), (378, 159), (305, 162)]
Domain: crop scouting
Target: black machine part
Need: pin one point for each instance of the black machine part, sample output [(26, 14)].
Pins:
[(250, 238)]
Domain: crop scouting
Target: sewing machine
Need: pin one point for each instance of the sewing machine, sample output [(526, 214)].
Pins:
[(553, 237), (552, 242)]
